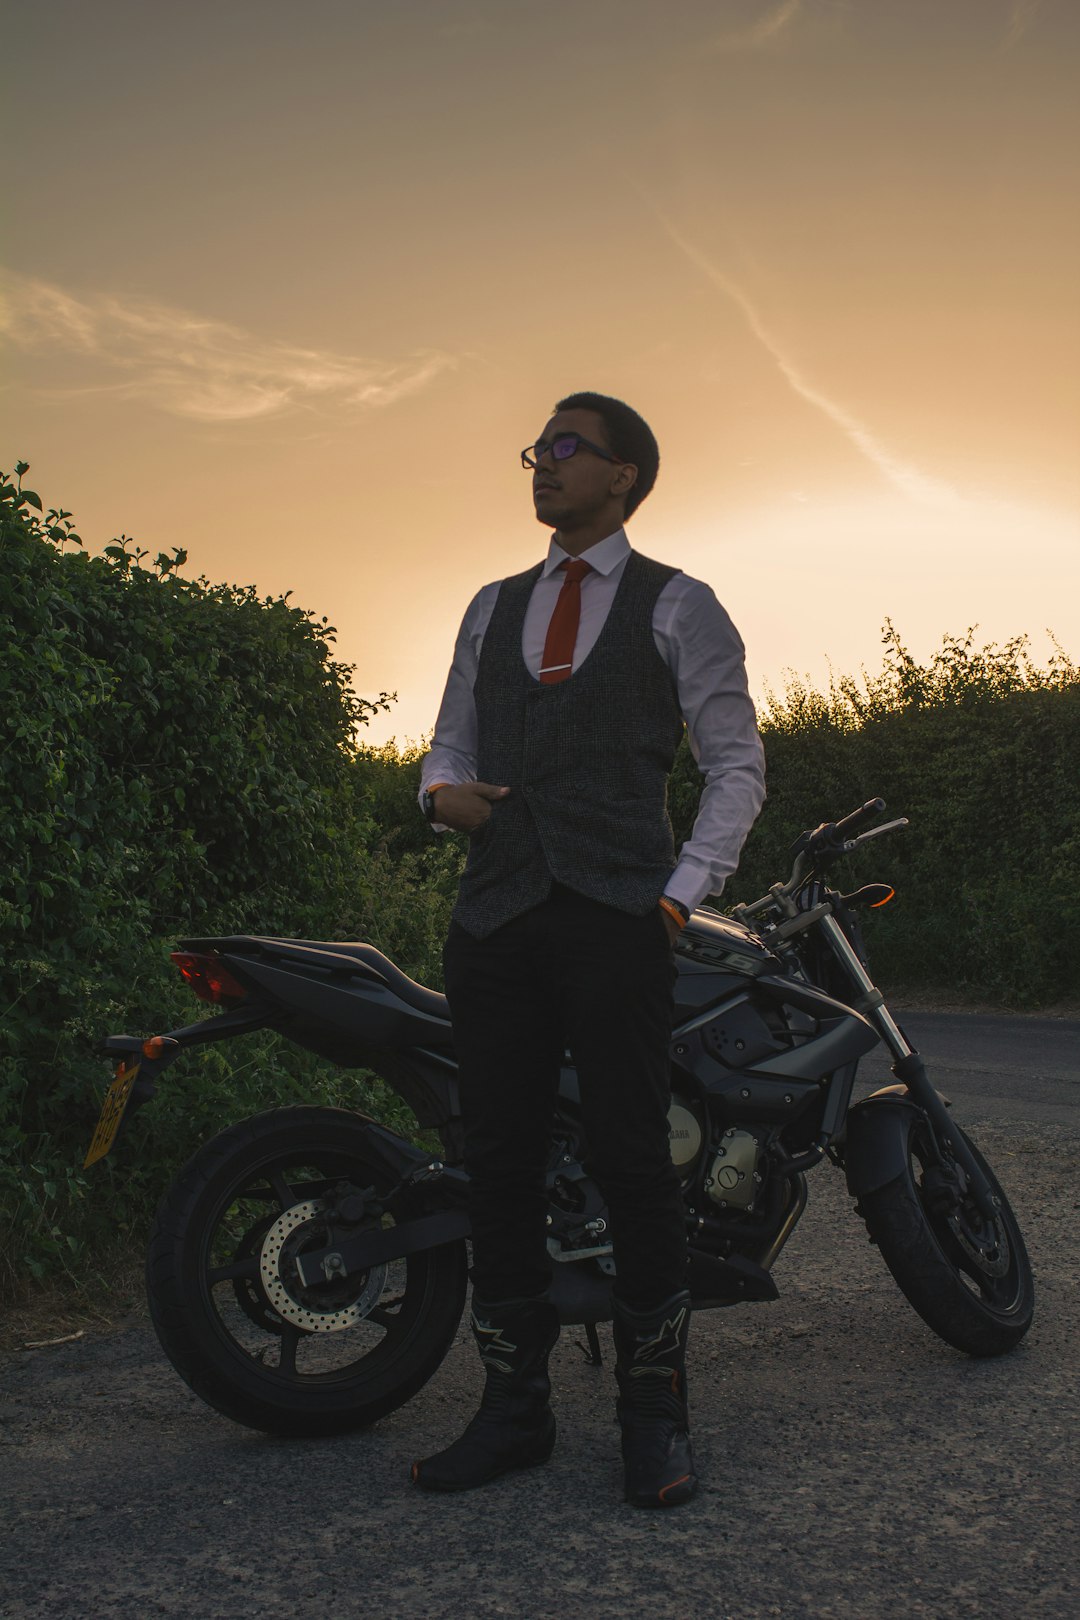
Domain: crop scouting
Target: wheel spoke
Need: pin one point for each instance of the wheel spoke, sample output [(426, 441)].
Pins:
[(284, 1194), (384, 1316), (237, 1269), (966, 1268), (290, 1338), (997, 1291)]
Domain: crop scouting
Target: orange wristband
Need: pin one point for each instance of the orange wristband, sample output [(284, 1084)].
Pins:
[(672, 911)]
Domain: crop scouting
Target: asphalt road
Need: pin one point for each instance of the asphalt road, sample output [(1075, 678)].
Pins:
[(853, 1465)]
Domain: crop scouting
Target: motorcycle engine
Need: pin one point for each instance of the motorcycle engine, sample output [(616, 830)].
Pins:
[(733, 1178), (686, 1135)]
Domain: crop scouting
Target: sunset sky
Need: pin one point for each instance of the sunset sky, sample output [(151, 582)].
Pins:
[(290, 286)]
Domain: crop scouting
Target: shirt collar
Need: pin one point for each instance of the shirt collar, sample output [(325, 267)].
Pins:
[(605, 556)]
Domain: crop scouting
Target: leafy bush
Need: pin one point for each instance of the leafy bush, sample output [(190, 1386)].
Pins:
[(179, 757), (978, 748)]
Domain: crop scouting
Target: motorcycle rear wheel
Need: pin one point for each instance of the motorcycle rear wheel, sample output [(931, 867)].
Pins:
[(291, 1360), (970, 1280)]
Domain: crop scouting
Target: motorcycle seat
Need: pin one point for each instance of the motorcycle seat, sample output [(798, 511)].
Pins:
[(321, 952), (431, 1002)]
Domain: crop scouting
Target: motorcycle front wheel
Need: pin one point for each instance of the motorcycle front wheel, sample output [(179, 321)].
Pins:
[(228, 1301), (968, 1278)]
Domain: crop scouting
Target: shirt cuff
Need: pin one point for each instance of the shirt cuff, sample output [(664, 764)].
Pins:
[(689, 884)]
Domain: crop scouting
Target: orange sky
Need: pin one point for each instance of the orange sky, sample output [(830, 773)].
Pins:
[(291, 286)]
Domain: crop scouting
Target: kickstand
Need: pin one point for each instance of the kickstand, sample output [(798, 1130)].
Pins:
[(592, 1353)]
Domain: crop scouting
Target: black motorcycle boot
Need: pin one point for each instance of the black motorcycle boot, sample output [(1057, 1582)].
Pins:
[(650, 1368), (515, 1426)]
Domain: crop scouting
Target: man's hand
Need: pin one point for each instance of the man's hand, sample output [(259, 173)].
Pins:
[(466, 806), (673, 929)]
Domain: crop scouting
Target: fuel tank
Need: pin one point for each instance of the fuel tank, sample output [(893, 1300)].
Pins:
[(714, 957)]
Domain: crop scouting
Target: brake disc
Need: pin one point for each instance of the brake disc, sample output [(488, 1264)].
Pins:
[(327, 1307), (992, 1258)]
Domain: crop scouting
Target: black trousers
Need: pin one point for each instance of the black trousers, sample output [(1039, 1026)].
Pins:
[(570, 973)]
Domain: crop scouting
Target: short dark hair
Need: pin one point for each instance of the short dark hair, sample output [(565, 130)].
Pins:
[(628, 434)]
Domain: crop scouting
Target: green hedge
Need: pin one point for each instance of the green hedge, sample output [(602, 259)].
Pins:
[(178, 757), (980, 749)]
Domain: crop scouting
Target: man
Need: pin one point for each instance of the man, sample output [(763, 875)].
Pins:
[(565, 702)]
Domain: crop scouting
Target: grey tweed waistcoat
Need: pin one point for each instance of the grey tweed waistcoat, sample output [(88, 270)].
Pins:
[(586, 760)]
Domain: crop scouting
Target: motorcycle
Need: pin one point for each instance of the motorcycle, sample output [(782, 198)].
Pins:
[(307, 1268)]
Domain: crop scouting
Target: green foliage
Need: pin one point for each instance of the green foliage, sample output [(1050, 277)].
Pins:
[(419, 873), (979, 750), (178, 758)]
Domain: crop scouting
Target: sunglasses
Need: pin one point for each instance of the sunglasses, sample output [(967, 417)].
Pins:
[(562, 447)]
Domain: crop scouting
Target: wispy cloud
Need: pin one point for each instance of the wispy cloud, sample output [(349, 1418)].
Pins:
[(902, 475), (761, 32), (1022, 15), (195, 367)]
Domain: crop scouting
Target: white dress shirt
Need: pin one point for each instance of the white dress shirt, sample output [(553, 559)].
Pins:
[(705, 654)]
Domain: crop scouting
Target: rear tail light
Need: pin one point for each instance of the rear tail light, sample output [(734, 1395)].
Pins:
[(209, 978)]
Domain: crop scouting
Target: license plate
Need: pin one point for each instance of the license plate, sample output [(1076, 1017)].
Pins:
[(112, 1111)]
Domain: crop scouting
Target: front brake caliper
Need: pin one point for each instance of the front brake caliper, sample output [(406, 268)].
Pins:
[(944, 1187)]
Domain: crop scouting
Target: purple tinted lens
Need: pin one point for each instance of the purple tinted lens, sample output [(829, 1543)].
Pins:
[(563, 449)]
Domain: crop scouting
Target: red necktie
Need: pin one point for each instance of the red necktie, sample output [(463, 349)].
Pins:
[(558, 658)]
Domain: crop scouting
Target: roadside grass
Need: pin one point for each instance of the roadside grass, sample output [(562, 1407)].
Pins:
[(107, 1298)]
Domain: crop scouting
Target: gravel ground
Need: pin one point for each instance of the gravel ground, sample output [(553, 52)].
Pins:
[(853, 1466)]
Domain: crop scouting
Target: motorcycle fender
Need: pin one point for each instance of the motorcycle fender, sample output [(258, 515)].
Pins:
[(875, 1148)]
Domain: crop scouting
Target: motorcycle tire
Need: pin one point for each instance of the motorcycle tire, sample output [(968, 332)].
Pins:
[(255, 1343), (970, 1280)]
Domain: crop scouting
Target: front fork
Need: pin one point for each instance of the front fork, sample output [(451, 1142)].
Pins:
[(908, 1066)]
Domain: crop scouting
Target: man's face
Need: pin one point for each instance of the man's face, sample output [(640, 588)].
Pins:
[(567, 494)]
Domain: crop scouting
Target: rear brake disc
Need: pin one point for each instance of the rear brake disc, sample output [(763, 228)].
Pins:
[(327, 1307)]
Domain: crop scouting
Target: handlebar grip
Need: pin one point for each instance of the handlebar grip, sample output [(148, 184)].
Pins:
[(858, 818)]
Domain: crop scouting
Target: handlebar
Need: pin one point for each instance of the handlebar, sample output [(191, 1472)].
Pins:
[(858, 818), (815, 850), (832, 837)]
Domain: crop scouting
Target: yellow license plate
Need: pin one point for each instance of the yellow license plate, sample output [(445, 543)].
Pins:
[(112, 1111)]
